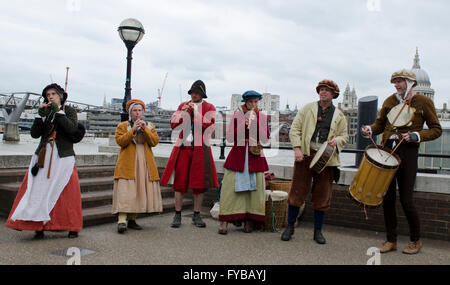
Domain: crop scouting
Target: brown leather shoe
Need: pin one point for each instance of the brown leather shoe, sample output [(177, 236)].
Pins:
[(388, 246), (413, 247)]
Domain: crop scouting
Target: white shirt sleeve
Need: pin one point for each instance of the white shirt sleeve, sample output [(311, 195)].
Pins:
[(418, 136)]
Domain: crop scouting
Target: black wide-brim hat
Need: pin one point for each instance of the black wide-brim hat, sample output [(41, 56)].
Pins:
[(58, 89), (198, 87)]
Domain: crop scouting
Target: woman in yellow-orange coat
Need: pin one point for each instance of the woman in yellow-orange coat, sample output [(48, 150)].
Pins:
[(136, 180)]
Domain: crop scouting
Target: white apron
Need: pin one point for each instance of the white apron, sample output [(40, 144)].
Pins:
[(42, 193)]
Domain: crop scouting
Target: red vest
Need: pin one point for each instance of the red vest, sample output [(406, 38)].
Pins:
[(206, 120), (235, 134)]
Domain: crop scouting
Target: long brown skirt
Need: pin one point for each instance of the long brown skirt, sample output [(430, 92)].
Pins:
[(139, 195)]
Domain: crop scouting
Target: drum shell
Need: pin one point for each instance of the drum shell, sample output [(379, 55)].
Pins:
[(371, 182), (323, 160)]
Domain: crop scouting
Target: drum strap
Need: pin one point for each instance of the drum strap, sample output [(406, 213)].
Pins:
[(403, 107)]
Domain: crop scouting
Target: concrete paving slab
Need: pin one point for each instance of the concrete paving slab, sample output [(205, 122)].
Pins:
[(159, 244)]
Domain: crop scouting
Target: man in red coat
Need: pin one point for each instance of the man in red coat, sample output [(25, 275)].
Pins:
[(191, 158)]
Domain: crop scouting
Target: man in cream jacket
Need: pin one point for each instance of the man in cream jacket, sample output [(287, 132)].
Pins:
[(317, 123)]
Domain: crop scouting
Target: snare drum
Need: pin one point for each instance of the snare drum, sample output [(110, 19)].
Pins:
[(374, 175)]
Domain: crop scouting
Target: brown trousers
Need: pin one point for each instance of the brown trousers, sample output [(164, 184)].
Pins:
[(304, 180)]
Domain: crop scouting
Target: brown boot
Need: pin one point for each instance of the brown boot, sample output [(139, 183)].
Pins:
[(388, 246), (413, 247)]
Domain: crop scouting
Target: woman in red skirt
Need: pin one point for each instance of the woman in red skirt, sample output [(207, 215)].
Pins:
[(49, 198)]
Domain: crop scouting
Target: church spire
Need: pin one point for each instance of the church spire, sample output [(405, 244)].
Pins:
[(347, 91), (416, 60)]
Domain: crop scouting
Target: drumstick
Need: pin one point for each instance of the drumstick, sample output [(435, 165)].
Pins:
[(395, 149), (376, 145), (67, 77), (398, 145)]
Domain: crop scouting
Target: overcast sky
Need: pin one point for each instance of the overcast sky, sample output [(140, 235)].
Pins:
[(282, 47)]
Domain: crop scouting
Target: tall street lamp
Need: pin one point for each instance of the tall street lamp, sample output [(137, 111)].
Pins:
[(131, 32)]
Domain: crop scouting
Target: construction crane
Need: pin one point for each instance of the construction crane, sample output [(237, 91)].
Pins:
[(160, 91)]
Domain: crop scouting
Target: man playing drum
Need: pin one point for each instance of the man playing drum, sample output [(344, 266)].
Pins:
[(409, 137), (317, 123)]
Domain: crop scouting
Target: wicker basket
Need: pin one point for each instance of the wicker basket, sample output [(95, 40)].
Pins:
[(276, 215), (280, 185), (281, 208)]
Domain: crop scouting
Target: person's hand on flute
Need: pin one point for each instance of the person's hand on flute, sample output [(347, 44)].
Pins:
[(43, 110), (142, 124), (136, 126), (250, 118), (188, 107)]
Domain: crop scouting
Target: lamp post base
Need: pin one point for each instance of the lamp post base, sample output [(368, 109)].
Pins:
[(222, 150)]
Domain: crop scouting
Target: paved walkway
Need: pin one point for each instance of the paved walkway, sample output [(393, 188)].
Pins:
[(160, 244)]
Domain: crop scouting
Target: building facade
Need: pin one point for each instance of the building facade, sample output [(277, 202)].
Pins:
[(269, 103), (350, 100), (438, 146), (444, 113), (349, 107), (423, 80)]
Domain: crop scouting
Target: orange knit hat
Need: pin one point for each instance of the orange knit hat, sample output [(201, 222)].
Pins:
[(137, 101)]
